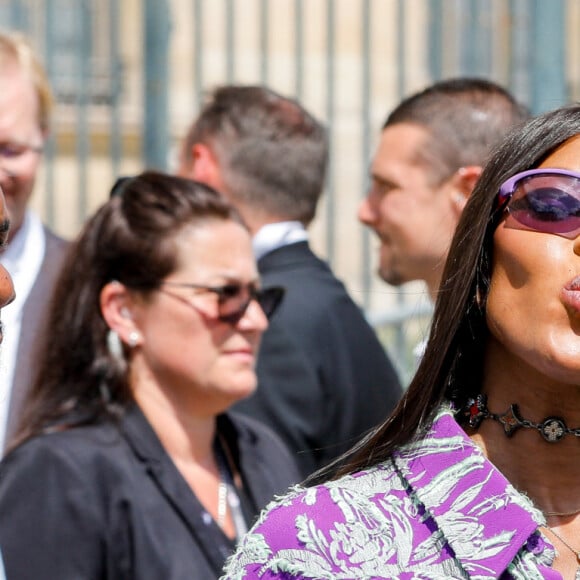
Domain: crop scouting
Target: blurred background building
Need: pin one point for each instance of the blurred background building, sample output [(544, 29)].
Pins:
[(129, 76)]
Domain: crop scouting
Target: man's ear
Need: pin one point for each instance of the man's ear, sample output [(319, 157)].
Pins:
[(463, 183), (199, 163), (117, 309)]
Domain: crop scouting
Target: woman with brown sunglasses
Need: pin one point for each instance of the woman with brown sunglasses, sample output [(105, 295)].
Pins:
[(127, 463)]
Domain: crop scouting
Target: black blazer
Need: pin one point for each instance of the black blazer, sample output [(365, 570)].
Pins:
[(33, 328), (107, 502), (324, 377)]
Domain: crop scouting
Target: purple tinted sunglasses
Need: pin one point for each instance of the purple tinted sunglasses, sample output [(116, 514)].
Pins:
[(543, 200)]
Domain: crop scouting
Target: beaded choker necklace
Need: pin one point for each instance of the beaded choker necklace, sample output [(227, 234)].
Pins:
[(552, 429)]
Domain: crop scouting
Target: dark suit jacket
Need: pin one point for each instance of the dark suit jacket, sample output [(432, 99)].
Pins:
[(33, 328), (106, 501), (324, 378)]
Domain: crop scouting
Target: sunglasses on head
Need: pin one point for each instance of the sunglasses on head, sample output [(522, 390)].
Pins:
[(543, 200), (233, 299)]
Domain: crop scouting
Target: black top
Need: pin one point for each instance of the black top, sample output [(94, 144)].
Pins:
[(107, 502), (324, 377)]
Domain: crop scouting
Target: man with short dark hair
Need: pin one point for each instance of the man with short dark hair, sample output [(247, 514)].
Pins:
[(432, 150), (324, 378)]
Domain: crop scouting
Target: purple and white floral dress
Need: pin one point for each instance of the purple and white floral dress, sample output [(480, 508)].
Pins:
[(437, 510)]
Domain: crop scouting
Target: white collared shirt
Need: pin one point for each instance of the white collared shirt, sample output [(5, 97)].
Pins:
[(23, 259), (273, 236)]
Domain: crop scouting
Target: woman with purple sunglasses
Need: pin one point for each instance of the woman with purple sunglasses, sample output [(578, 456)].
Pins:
[(476, 474)]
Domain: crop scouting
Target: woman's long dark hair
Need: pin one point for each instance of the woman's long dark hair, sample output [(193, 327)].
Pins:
[(452, 364), (131, 239)]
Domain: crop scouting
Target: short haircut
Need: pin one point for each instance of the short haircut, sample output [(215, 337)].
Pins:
[(465, 118), (272, 153), (16, 50)]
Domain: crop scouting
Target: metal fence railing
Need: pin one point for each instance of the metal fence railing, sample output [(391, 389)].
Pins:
[(129, 76)]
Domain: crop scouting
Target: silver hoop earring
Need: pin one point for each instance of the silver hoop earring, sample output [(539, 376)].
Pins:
[(114, 345), (134, 338)]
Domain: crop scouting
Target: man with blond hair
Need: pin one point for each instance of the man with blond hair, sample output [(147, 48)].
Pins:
[(34, 254)]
